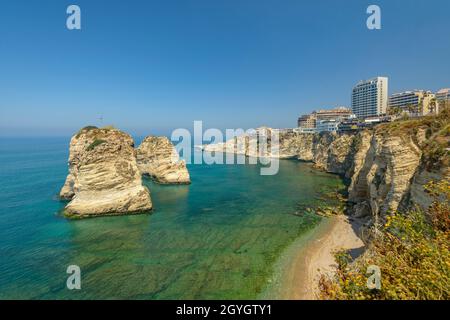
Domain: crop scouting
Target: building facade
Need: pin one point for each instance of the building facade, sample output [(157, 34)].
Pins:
[(415, 103), (349, 125), (310, 121), (370, 97), (338, 113), (327, 126), (442, 99), (305, 130), (307, 121)]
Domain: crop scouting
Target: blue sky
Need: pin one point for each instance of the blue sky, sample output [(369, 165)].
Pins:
[(152, 66)]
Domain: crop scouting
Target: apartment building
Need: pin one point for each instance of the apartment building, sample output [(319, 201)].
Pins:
[(307, 121), (338, 113), (415, 103), (310, 121), (327, 125), (370, 97), (442, 98)]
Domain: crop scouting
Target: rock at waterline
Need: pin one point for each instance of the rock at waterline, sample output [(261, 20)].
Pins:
[(103, 178), (158, 158)]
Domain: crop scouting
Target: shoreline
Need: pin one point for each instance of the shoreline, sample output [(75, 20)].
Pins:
[(303, 262)]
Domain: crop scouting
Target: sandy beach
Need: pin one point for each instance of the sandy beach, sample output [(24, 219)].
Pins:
[(316, 257)]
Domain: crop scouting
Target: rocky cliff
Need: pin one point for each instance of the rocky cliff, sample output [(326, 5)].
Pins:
[(249, 144), (158, 158), (387, 167), (103, 178)]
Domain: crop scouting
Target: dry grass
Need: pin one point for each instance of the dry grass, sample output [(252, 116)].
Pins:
[(412, 251)]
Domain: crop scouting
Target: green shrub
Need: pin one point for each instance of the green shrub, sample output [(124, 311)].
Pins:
[(87, 128), (110, 127), (412, 251), (94, 144)]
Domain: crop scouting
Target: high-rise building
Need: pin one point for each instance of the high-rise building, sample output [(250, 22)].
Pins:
[(417, 102), (370, 97)]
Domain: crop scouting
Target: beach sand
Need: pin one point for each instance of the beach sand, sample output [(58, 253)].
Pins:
[(316, 257)]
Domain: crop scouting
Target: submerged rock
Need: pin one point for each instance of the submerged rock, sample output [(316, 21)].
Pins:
[(104, 178), (158, 158)]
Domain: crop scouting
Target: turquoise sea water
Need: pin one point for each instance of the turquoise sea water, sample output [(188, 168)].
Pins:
[(216, 238)]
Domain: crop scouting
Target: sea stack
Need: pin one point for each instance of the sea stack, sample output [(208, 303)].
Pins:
[(103, 178), (158, 158)]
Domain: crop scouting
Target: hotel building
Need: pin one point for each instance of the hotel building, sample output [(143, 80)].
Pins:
[(328, 125), (370, 97), (443, 98), (309, 121), (338, 113), (416, 103)]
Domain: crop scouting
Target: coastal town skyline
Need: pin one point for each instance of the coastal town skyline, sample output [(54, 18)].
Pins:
[(372, 103)]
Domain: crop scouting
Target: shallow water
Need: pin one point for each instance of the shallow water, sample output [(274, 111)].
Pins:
[(214, 239)]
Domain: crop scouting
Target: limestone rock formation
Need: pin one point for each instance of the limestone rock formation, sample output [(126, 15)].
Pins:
[(418, 196), (259, 143), (158, 158), (67, 191), (386, 169), (103, 175), (380, 167), (385, 176)]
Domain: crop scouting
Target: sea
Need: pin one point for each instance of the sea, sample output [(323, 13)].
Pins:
[(217, 238)]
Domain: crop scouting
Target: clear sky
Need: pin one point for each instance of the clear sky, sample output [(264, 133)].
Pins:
[(151, 66)]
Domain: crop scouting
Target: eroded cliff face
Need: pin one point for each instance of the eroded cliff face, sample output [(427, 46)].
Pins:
[(385, 167), (383, 180), (386, 170), (417, 196), (333, 153), (250, 144), (103, 175), (158, 158)]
